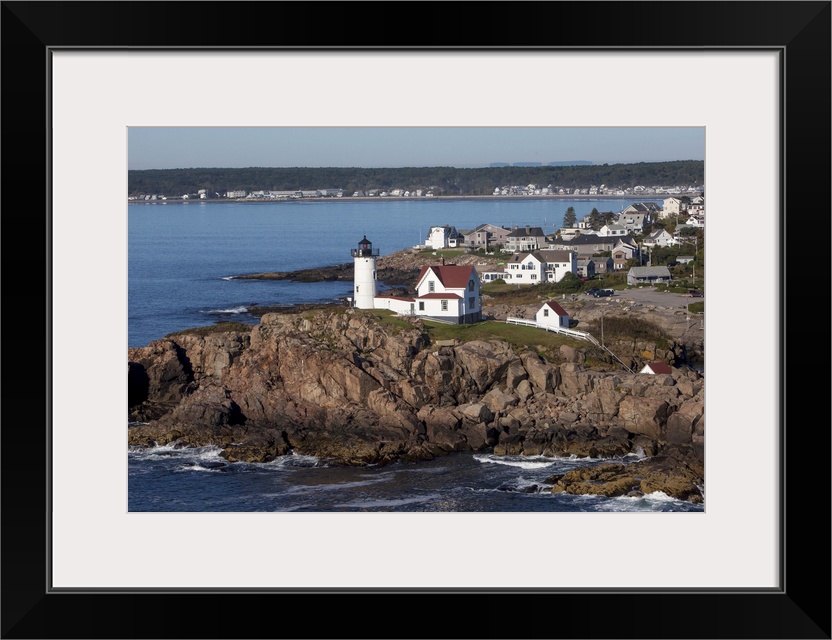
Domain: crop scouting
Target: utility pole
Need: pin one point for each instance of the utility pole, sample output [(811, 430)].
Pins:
[(602, 329)]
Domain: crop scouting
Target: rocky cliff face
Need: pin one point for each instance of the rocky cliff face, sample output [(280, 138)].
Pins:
[(346, 386)]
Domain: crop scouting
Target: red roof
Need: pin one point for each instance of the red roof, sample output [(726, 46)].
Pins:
[(554, 306), (660, 367), (451, 276), (441, 296)]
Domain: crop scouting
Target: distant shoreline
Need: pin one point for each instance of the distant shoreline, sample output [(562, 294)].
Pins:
[(409, 198)]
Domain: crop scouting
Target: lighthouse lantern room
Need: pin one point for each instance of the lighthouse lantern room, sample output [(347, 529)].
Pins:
[(364, 277)]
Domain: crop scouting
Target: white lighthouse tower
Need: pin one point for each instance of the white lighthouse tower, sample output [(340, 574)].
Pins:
[(364, 276)]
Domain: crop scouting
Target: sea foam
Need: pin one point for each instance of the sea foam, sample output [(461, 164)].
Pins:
[(232, 310), (537, 462)]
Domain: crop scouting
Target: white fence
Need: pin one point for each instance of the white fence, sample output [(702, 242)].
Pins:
[(580, 335)]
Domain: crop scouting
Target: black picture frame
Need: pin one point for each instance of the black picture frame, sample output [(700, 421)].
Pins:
[(800, 608)]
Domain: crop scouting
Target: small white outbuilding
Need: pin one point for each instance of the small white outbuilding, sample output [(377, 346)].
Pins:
[(551, 314)]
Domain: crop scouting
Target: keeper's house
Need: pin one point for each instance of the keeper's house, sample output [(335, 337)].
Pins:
[(448, 293)]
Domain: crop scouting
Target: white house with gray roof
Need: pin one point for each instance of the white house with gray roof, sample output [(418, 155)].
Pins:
[(442, 237), (613, 231), (659, 238), (534, 267)]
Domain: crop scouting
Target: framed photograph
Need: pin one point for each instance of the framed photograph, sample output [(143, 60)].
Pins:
[(78, 76)]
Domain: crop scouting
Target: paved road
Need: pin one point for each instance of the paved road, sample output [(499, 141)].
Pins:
[(649, 295)]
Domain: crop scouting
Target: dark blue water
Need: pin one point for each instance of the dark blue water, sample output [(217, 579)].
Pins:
[(187, 480), (182, 259)]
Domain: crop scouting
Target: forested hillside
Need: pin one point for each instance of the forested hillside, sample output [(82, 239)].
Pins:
[(442, 180)]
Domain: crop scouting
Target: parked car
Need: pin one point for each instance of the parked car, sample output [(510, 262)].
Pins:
[(591, 292), (603, 293), (693, 293)]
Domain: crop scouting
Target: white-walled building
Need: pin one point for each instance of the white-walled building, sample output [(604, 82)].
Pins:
[(613, 230), (672, 207), (551, 314), (546, 265), (443, 237), (446, 292), (659, 238), (364, 274)]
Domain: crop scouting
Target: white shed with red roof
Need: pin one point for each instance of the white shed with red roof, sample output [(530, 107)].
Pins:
[(551, 314)]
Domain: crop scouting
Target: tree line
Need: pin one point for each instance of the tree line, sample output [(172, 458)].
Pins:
[(441, 180)]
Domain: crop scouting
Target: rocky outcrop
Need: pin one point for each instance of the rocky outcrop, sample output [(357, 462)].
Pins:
[(677, 472), (348, 386)]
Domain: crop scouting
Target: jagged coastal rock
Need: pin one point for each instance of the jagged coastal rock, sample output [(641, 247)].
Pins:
[(347, 386)]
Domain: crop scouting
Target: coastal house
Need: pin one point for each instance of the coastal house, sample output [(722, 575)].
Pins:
[(442, 237), (655, 368), (539, 266), (622, 253), (672, 207), (649, 209), (588, 244), (448, 293), (648, 275), (551, 314), (696, 209), (490, 273), (603, 264), (525, 239), (484, 236), (567, 233), (613, 230), (585, 267), (659, 238), (634, 222), (278, 195)]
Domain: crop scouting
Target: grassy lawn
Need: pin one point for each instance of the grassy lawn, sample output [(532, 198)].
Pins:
[(517, 336), (390, 318), (445, 253)]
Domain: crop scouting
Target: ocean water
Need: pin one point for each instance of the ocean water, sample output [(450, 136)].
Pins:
[(182, 259), (167, 479)]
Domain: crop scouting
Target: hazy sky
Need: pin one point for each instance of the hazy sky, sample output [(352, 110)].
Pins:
[(377, 147)]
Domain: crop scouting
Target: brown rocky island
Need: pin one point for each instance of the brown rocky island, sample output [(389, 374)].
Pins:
[(358, 387)]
